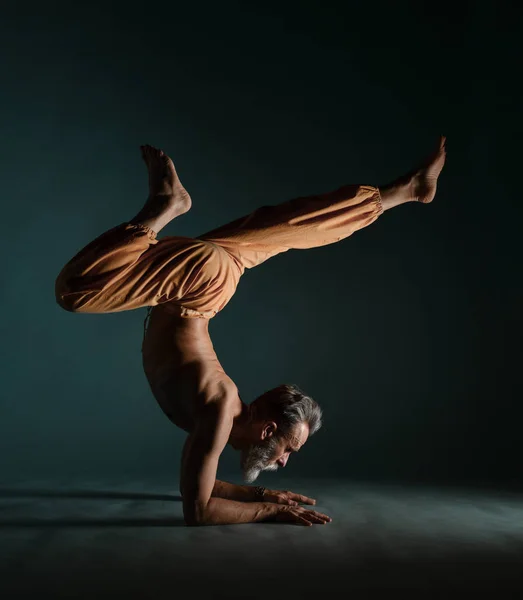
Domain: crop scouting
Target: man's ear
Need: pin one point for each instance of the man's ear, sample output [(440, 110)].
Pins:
[(269, 429)]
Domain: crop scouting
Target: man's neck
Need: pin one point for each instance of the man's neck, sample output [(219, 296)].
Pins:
[(239, 437)]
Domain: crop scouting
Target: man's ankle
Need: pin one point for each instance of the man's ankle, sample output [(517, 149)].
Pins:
[(396, 193)]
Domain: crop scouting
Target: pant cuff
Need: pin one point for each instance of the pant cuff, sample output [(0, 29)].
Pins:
[(151, 234)]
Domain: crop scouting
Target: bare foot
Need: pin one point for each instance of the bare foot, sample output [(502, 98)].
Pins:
[(168, 198), (424, 181), (164, 181)]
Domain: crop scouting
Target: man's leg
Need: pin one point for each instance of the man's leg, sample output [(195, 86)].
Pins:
[(127, 267), (323, 219)]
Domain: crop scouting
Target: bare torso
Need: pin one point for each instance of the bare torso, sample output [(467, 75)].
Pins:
[(182, 367)]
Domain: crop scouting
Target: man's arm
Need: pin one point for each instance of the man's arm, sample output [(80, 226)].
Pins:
[(231, 491), (246, 493), (198, 475)]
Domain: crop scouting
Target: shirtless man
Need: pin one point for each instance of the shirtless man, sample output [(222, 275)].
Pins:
[(186, 282)]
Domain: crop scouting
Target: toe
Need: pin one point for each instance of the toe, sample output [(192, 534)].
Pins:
[(151, 155)]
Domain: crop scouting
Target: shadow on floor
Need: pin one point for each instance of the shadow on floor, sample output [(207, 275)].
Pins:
[(88, 495), (84, 494), (40, 523)]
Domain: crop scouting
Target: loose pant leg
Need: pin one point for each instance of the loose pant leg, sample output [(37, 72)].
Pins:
[(127, 268), (301, 223)]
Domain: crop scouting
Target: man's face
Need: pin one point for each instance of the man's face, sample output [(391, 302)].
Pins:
[(271, 452)]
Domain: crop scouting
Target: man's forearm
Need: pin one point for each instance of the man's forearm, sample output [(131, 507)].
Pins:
[(220, 511), (230, 491)]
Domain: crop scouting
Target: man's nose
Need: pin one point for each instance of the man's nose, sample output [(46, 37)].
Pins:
[(283, 461)]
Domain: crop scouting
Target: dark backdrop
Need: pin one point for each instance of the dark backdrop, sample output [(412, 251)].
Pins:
[(408, 333)]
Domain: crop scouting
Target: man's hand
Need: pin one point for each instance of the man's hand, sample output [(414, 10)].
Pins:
[(298, 515), (287, 497)]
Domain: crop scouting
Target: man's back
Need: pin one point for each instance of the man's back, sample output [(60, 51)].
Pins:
[(182, 367)]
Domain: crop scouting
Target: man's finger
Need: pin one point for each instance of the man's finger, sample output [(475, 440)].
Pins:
[(284, 500), (321, 515), (304, 499)]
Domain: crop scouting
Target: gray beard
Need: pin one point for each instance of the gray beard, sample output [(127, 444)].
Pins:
[(257, 458)]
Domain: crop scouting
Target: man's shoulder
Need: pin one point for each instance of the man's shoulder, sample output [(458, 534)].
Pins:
[(224, 397)]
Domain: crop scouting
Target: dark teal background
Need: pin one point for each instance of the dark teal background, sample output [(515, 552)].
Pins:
[(408, 333)]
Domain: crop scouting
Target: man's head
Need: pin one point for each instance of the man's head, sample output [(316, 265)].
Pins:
[(282, 420)]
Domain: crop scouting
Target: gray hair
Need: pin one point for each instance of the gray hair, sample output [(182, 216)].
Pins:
[(288, 406)]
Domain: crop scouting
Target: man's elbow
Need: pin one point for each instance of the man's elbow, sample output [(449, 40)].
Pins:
[(195, 516), (191, 521)]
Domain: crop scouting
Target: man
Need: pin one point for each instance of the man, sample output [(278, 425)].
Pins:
[(188, 281)]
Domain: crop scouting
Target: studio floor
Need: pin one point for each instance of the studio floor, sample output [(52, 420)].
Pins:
[(97, 539)]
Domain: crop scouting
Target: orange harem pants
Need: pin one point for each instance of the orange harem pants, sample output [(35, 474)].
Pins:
[(127, 267)]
